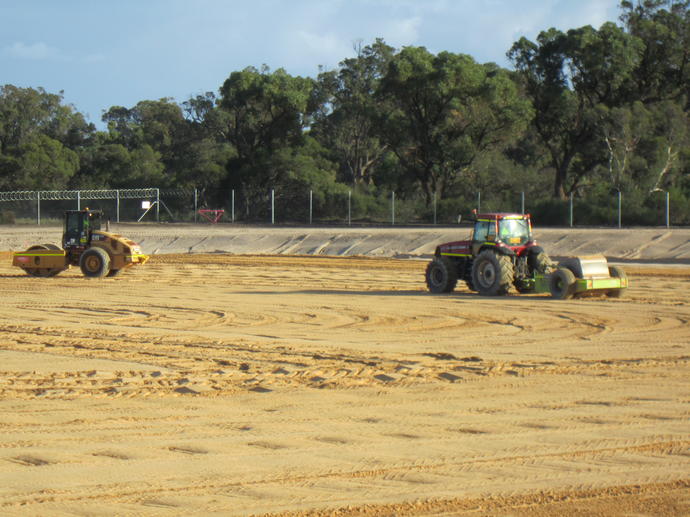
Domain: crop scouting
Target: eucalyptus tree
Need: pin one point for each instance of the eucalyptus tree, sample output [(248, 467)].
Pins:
[(347, 123), (265, 116), (663, 26), (662, 84), (40, 139), (211, 151), (170, 148), (568, 77), (444, 111)]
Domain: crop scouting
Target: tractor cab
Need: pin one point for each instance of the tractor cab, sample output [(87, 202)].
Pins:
[(79, 227), (512, 231)]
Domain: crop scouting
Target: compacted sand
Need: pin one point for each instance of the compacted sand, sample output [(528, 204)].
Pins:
[(205, 384)]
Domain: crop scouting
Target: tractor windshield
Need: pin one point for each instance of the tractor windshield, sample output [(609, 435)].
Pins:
[(514, 232)]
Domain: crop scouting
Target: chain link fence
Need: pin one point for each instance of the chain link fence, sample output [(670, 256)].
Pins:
[(275, 206)]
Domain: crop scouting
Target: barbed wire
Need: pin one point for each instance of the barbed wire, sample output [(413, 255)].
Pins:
[(62, 195)]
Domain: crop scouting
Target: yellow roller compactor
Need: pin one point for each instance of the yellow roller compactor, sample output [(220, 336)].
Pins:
[(98, 253)]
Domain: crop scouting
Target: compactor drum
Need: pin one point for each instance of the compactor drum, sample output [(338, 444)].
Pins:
[(585, 275), (502, 255), (98, 253)]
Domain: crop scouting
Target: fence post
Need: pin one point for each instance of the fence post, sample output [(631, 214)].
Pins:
[(571, 209), (232, 206), (619, 208), (668, 211), (349, 208), (311, 205), (522, 202), (393, 208), (479, 201), (273, 206), (78, 199), (158, 205), (117, 206), (196, 204), (38, 208)]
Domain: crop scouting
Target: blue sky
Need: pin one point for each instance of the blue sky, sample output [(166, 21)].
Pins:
[(104, 53)]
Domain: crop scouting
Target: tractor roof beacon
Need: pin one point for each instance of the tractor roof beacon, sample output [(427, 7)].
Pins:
[(502, 254), (98, 253)]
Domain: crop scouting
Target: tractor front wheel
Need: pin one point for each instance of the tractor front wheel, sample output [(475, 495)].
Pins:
[(492, 274), (441, 275), (95, 263)]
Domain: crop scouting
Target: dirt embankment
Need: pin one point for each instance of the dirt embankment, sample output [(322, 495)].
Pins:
[(645, 244)]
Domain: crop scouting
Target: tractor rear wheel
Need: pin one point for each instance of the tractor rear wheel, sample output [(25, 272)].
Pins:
[(616, 272), (441, 275), (562, 284), (492, 274), (95, 263)]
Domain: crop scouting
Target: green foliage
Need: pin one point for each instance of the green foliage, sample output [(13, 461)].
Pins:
[(265, 111), (45, 163), (39, 139), (664, 28), (112, 165), (346, 123), (186, 149), (444, 112), (570, 77)]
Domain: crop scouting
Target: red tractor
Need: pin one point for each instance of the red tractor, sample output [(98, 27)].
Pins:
[(501, 254)]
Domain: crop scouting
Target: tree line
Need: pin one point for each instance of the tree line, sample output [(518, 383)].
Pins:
[(582, 113)]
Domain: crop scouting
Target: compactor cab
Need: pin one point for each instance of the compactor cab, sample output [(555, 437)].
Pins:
[(79, 227), (98, 253)]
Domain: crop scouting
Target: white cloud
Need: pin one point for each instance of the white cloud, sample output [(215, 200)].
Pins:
[(34, 51), (591, 12), (402, 32), (327, 44), (42, 52), (303, 50)]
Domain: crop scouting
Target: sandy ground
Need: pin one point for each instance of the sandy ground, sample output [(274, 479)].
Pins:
[(205, 384)]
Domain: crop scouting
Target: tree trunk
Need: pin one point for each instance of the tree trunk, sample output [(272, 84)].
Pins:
[(559, 185), (561, 176)]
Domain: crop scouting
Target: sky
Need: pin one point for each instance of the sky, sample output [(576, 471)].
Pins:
[(104, 53)]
